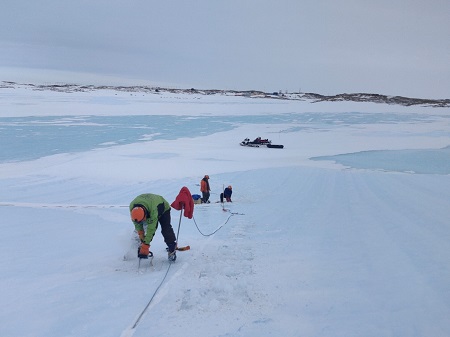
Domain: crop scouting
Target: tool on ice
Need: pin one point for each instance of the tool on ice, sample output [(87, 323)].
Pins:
[(149, 257)]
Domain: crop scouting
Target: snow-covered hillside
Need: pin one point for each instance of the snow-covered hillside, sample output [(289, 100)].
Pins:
[(308, 247)]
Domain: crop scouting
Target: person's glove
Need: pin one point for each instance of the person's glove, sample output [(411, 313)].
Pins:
[(141, 235), (144, 251)]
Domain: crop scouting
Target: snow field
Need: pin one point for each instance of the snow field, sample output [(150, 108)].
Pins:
[(312, 248)]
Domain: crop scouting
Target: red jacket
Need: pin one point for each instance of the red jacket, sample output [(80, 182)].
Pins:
[(184, 201)]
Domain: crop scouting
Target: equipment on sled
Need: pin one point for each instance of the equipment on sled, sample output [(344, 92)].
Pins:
[(258, 142)]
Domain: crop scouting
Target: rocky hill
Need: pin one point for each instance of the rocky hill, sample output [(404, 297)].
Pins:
[(313, 97)]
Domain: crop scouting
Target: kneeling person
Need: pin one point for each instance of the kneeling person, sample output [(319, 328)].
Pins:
[(227, 194)]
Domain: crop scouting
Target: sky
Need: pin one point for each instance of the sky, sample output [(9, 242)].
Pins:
[(329, 47)]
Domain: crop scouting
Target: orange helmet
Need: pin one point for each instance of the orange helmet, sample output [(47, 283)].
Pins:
[(137, 214)]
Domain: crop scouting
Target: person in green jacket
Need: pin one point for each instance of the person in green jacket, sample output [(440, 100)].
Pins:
[(147, 210)]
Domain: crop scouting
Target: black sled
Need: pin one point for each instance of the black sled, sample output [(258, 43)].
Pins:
[(258, 142)]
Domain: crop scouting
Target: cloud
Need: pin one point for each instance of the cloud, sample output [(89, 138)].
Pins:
[(324, 46)]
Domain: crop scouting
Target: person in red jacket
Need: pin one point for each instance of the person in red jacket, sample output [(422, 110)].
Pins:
[(205, 189)]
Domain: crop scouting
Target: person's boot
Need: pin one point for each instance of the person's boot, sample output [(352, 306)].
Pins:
[(172, 251)]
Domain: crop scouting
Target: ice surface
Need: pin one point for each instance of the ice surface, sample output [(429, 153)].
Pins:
[(307, 248)]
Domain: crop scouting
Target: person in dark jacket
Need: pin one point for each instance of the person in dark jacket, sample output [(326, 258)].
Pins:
[(226, 194)]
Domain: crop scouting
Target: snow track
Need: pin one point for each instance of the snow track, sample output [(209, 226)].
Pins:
[(315, 246)]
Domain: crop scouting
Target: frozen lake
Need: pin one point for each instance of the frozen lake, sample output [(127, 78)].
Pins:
[(30, 138)]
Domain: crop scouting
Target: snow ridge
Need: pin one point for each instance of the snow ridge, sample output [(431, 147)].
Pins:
[(299, 96)]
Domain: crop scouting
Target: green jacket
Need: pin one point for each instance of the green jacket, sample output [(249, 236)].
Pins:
[(155, 206)]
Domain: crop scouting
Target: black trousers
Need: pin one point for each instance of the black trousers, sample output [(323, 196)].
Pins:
[(205, 196), (166, 228)]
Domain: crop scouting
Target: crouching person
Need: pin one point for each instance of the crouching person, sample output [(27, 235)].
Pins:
[(147, 210), (226, 194)]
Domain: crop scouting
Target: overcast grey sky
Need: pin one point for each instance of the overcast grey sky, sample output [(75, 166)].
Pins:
[(399, 47)]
